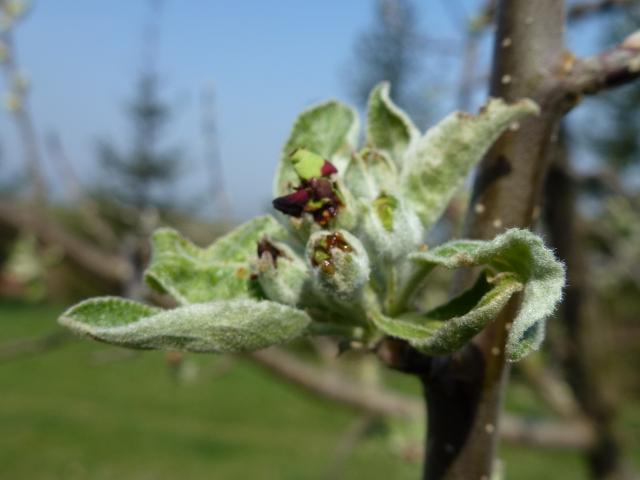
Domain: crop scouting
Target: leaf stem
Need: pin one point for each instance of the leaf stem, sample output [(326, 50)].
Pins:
[(397, 304)]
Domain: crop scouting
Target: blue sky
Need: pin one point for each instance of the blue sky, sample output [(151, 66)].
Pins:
[(268, 60)]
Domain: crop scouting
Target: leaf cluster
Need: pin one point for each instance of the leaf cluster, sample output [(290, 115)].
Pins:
[(348, 257)]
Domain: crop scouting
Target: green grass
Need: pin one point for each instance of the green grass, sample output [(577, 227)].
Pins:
[(63, 415)]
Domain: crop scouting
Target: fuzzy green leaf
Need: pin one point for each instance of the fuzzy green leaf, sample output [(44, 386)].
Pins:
[(329, 130), (222, 271), (224, 326), (449, 327), (389, 129), (522, 254), (437, 164)]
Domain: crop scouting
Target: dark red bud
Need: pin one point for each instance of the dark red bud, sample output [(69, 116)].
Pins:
[(328, 169), (321, 188), (292, 204)]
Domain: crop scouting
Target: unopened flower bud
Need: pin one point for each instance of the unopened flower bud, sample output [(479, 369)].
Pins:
[(280, 272), (318, 194), (339, 262), (391, 229)]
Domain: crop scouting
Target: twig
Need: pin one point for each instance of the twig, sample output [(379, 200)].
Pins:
[(615, 67), (333, 386), (580, 10), (108, 266), (348, 392), (90, 212)]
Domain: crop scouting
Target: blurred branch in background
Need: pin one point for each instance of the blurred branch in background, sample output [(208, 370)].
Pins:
[(330, 384), (617, 66), (582, 9), (109, 266), (17, 99), (213, 162), (583, 342), (101, 231)]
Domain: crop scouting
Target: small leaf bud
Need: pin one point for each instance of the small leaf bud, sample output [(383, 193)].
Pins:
[(391, 228)]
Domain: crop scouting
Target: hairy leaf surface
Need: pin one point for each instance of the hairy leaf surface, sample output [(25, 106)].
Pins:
[(389, 129), (522, 254), (449, 327), (438, 163), (192, 274), (329, 130), (223, 326)]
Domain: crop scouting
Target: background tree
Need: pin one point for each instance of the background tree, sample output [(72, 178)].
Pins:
[(391, 50), (592, 229), (615, 138), (139, 174)]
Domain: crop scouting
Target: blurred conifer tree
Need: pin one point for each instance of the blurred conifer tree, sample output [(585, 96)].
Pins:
[(138, 174), (392, 50)]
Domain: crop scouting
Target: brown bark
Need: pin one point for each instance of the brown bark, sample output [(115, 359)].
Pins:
[(528, 47)]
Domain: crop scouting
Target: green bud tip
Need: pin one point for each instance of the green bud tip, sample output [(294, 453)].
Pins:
[(385, 205)]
